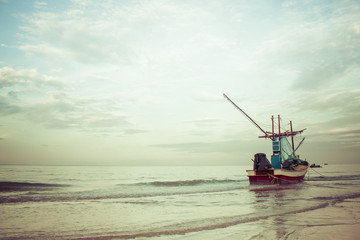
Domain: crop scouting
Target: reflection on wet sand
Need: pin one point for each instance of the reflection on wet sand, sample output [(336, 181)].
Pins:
[(290, 217)]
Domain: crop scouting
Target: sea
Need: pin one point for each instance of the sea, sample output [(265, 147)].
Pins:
[(195, 202)]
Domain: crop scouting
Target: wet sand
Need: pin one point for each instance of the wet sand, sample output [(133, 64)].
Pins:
[(340, 220)]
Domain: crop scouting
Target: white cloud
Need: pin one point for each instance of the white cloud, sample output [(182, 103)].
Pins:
[(208, 96), (39, 4), (43, 50), (124, 33), (344, 101), (10, 77), (205, 120), (92, 115), (320, 48), (7, 108), (44, 100), (82, 2)]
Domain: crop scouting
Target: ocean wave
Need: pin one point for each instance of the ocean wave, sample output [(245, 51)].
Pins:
[(134, 192), (336, 199), (194, 182), (27, 186), (334, 178), (272, 188)]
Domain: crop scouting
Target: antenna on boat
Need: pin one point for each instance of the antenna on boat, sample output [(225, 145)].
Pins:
[(247, 116)]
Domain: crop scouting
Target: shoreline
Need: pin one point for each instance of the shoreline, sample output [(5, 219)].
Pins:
[(339, 220)]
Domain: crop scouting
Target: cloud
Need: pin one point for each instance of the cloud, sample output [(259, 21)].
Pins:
[(7, 108), (204, 147), (39, 4), (28, 77), (344, 134), (125, 33), (205, 96), (315, 77), (70, 113), (43, 50), (48, 102), (84, 35), (318, 46), (331, 116), (205, 120), (13, 94), (65, 112), (51, 114), (345, 101), (109, 121), (231, 148), (134, 131), (3, 136)]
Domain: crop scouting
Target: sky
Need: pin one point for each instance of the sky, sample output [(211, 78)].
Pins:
[(85, 82)]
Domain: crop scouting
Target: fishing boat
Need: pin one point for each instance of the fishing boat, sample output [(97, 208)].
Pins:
[(315, 165), (285, 165)]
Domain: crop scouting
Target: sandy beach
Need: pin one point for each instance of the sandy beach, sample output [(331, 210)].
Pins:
[(340, 220)]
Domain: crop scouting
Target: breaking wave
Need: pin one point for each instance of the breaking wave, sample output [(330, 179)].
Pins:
[(334, 178), (26, 186), (194, 182), (340, 198), (44, 192)]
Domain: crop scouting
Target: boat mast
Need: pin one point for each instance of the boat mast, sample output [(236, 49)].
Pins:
[(292, 137), (272, 127), (279, 134)]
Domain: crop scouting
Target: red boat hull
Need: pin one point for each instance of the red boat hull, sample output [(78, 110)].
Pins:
[(273, 176)]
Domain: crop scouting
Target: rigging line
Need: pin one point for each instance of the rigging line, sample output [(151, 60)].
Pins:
[(282, 124), (281, 127), (283, 150), (263, 124), (317, 172), (266, 124)]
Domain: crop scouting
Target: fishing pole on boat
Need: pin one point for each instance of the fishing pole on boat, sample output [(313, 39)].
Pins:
[(294, 150), (299, 144), (247, 116)]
